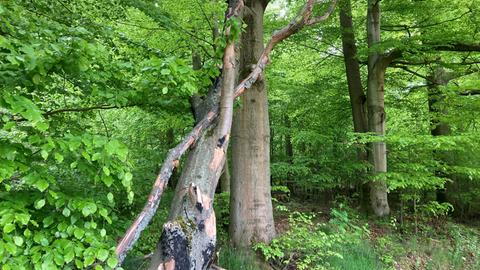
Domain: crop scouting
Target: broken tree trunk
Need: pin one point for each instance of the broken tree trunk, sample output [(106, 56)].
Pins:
[(178, 245), (189, 237)]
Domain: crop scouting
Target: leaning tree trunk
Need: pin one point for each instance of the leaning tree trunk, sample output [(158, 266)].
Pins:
[(192, 188), (187, 239), (251, 216), (376, 111)]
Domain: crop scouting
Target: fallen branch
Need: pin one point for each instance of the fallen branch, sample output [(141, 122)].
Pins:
[(174, 155)]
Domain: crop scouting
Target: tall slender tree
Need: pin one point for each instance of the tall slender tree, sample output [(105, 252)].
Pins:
[(377, 64), (251, 204)]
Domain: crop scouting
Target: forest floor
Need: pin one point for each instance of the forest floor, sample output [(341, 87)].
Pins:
[(433, 243), (366, 244)]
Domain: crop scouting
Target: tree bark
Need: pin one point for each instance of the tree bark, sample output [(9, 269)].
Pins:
[(355, 89), (377, 64), (251, 216), (189, 238), (176, 243), (439, 77), (352, 68), (225, 178)]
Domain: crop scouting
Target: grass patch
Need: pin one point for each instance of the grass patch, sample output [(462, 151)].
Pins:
[(236, 259), (356, 257)]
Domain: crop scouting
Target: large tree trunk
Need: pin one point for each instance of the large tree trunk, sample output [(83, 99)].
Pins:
[(376, 111), (251, 217), (352, 68), (439, 77), (188, 240), (355, 89), (192, 205)]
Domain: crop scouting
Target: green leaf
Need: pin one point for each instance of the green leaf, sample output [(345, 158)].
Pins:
[(41, 184), (39, 204), (112, 147), (58, 157), (58, 258), (165, 71), (79, 264), (78, 233), (69, 255), (27, 233), (8, 228), (88, 260), (110, 197), (88, 209), (11, 248), (107, 180), (44, 154), (130, 196), (66, 212), (103, 232), (47, 221), (18, 240), (112, 262), (106, 170), (165, 90), (102, 254), (22, 218), (42, 126)]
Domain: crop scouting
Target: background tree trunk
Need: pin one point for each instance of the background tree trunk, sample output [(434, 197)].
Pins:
[(376, 111), (355, 89), (251, 217), (225, 178), (438, 77)]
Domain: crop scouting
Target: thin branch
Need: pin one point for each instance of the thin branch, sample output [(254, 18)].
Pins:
[(412, 72)]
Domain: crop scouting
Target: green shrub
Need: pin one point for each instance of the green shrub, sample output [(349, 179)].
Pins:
[(310, 245)]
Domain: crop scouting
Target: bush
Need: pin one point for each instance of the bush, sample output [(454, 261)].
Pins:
[(310, 245)]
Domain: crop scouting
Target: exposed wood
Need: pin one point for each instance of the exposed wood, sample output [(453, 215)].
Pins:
[(189, 237), (174, 155)]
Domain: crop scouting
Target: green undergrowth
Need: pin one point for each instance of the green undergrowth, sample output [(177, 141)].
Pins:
[(234, 259), (452, 246)]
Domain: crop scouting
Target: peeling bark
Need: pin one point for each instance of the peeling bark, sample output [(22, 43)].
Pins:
[(189, 237), (197, 134)]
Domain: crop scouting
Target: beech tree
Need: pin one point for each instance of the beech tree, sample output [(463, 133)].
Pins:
[(251, 214)]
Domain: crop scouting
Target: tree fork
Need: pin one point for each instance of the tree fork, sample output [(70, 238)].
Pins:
[(174, 155)]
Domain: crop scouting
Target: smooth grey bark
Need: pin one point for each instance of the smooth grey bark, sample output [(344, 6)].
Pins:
[(377, 64), (251, 216)]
